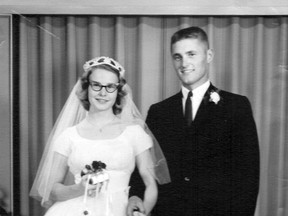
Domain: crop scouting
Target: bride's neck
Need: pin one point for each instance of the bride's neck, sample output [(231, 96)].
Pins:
[(100, 117)]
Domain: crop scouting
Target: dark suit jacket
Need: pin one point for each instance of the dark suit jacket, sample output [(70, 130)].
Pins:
[(214, 164)]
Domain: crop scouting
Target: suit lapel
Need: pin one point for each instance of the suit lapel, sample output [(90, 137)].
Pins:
[(205, 110), (174, 121), (205, 107)]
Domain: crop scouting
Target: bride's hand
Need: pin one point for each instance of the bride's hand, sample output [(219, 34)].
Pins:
[(85, 184), (100, 187), (135, 203), (94, 189)]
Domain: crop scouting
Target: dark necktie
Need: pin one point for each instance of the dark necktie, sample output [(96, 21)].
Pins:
[(188, 109)]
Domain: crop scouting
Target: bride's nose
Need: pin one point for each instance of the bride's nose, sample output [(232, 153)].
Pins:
[(103, 92)]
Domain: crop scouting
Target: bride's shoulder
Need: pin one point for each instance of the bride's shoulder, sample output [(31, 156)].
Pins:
[(135, 129), (69, 131)]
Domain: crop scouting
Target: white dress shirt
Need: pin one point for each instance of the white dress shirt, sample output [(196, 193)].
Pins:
[(197, 97)]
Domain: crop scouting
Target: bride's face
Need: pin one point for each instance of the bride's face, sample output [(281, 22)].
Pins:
[(102, 100)]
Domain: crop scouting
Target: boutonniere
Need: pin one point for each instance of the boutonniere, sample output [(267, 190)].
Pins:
[(214, 97)]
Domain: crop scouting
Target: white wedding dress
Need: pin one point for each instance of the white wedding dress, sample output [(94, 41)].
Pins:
[(119, 156)]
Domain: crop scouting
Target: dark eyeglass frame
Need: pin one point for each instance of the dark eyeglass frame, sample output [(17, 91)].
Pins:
[(115, 85)]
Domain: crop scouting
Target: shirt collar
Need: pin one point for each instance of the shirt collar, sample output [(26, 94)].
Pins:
[(198, 92)]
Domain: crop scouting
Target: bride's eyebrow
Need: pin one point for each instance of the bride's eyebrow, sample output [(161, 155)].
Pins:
[(96, 82)]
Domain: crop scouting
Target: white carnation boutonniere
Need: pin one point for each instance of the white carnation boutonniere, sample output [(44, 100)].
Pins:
[(214, 97)]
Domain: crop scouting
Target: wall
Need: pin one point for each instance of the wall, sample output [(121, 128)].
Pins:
[(5, 110), (203, 7)]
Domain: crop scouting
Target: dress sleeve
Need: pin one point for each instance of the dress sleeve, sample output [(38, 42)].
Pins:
[(63, 143), (47, 170), (141, 141)]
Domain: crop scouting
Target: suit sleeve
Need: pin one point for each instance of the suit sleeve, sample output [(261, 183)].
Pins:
[(245, 160), (151, 120)]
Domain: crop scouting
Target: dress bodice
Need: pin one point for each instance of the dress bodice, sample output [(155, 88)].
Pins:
[(117, 153)]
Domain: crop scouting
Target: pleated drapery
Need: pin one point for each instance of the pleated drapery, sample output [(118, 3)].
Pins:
[(250, 59)]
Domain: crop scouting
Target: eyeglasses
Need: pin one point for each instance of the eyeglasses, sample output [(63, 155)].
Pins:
[(110, 88)]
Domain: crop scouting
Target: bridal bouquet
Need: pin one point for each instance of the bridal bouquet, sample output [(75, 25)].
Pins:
[(97, 175), (97, 172)]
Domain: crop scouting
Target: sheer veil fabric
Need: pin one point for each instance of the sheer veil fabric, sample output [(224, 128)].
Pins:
[(71, 114)]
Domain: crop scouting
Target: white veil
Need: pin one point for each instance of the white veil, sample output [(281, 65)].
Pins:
[(71, 114)]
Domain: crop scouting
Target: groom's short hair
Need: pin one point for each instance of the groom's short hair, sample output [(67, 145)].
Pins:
[(193, 32)]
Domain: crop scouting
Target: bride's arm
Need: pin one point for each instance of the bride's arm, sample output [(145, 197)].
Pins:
[(59, 191), (145, 164)]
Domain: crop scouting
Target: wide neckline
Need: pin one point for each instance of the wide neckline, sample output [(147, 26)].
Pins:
[(102, 139)]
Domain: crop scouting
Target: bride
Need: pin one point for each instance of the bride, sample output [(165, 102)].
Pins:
[(107, 128)]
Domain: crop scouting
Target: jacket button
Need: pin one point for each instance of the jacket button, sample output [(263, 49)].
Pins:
[(187, 179)]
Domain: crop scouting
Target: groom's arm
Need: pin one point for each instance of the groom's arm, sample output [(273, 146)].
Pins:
[(245, 160)]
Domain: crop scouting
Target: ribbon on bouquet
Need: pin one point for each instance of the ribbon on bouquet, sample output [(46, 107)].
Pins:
[(98, 190)]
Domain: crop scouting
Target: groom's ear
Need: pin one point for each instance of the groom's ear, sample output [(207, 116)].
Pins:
[(210, 55)]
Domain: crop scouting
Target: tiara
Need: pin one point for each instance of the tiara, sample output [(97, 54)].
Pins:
[(104, 61)]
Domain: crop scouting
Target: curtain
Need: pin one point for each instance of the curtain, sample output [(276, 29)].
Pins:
[(250, 59)]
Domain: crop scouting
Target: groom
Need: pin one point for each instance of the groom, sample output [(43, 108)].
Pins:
[(208, 137)]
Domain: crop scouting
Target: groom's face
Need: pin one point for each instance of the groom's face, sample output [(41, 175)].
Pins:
[(191, 58)]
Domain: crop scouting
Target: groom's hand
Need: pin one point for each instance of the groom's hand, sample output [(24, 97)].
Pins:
[(135, 203)]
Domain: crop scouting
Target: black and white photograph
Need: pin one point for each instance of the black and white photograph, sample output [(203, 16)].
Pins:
[(144, 108)]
